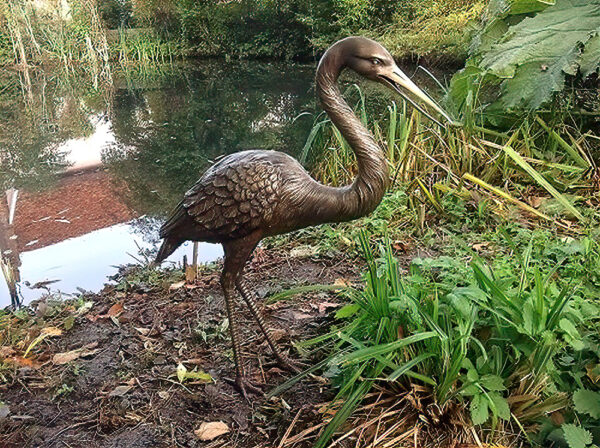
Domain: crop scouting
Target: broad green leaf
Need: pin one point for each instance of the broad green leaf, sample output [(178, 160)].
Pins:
[(479, 410), (347, 311), (502, 409), (492, 382), (590, 59), (576, 436), (587, 402), (568, 327), (531, 54), (472, 375)]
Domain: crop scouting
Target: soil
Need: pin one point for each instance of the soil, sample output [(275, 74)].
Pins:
[(122, 389)]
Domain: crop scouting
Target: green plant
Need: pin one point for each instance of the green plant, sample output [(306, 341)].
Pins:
[(485, 342), (524, 53)]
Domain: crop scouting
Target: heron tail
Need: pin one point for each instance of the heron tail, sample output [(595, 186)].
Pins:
[(168, 246)]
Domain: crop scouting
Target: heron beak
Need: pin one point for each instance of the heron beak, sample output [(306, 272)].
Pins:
[(402, 84)]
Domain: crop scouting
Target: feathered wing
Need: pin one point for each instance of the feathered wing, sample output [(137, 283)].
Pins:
[(232, 199)]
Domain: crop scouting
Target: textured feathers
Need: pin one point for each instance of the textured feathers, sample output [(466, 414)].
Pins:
[(233, 198)]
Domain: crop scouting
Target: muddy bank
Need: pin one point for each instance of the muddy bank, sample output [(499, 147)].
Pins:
[(106, 376)]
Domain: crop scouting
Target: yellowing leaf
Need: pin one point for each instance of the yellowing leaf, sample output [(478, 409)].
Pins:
[(51, 331), (184, 374), (181, 372), (211, 430), (46, 332)]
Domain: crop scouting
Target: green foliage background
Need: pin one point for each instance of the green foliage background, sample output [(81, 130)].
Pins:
[(526, 52)]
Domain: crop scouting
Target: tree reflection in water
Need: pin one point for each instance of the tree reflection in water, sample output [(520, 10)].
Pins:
[(142, 140)]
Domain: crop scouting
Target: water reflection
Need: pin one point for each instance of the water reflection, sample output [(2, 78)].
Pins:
[(89, 173)]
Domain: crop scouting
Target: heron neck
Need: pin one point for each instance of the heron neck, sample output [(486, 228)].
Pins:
[(368, 188)]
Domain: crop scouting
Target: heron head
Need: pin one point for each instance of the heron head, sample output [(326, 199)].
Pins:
[(371, 60)]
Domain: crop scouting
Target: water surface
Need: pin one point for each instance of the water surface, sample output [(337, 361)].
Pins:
[(88, 174)]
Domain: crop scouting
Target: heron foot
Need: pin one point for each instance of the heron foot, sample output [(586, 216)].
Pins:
[(244, 386), (289, 365)]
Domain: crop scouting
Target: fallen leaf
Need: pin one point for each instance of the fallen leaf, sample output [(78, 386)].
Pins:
[(64, 358), (184, 374), (195, 361), (480, 246), (115, 310), (176, 285), (119, 391), (23, 362), (51, 331), (278, 334), (163, 394), (181, 371), (4, 410), (299, 316), (211, 430), (401, 246), (143, 331), (6, 351), (342, 282), (324, 305), (82, 352)]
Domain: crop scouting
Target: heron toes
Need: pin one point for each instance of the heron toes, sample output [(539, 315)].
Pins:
[(244, 386), (289, 365)]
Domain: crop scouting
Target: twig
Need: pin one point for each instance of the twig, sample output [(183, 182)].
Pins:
[(289, 430)]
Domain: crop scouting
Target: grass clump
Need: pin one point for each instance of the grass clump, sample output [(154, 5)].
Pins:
[(501, 346)]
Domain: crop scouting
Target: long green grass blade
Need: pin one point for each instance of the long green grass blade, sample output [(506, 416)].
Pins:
[(542, 181), (288, 293), (381, 349)]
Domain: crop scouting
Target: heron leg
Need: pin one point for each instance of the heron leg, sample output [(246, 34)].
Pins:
[(237, 253), (250, 299)]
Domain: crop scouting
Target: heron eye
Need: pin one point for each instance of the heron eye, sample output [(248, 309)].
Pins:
[(376, 61)]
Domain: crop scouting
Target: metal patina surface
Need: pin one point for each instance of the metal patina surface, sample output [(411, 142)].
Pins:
[(252, 194)]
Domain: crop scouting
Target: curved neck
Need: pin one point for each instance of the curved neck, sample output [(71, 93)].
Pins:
[(368, 188)]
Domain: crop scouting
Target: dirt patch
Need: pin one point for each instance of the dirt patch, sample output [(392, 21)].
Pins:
[(121, 390)]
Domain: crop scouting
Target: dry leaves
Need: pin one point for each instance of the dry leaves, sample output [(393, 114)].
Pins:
[(211, 430), (65, 357), (324, 306), (23, 362), (113, 312), (341, 282), (176, 285), (119, 391)]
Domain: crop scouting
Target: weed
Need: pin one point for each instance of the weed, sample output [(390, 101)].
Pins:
[(62, 392)]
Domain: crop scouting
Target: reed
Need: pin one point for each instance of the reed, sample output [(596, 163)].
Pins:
[(544, 169)]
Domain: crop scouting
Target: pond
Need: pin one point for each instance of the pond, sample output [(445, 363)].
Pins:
[(90, 173)]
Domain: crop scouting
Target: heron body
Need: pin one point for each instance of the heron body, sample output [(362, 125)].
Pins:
[(249, 195)]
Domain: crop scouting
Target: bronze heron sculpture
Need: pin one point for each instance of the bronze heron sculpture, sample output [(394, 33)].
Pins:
[(249, 195)]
